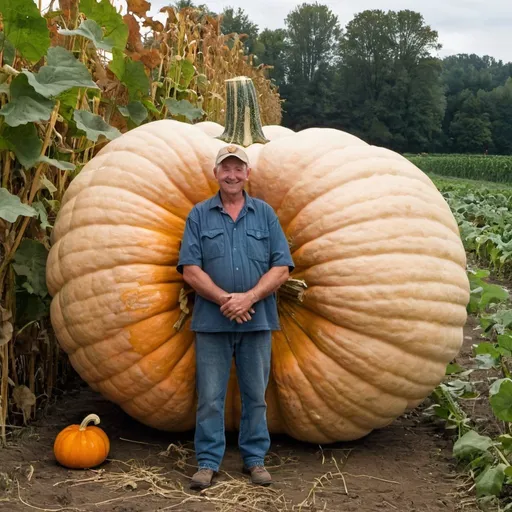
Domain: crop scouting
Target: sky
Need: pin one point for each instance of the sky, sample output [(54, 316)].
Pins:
[(483, 27)]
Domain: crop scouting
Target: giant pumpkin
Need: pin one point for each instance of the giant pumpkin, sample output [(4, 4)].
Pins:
[(372, 314)]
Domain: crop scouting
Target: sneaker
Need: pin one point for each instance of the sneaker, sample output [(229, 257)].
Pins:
[(202, 479), (259, 475)]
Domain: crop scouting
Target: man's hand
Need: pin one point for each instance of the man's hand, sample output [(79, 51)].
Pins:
[(239, 305)]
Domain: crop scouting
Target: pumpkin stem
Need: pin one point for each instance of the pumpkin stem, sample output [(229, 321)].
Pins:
[(185, 311), (88, 419), (293, 289), (243, 122)]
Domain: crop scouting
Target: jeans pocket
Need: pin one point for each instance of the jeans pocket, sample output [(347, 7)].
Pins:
[(258, 244), (213, 243)]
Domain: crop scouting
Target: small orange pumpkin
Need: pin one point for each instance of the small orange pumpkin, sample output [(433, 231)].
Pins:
[(81, 446)]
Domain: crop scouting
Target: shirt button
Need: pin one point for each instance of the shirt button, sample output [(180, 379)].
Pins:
[(234, 229), (237, 268)]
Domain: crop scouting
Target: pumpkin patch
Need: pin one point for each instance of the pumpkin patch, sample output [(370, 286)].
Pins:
[(373, 312)]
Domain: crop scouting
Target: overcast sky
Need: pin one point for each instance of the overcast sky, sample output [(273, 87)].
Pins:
[(464, 26)]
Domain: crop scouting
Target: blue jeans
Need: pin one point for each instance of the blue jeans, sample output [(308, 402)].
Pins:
[(214, 355)]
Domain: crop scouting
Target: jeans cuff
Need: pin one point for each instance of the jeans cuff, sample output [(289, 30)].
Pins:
[(250, 463), (209, 465)]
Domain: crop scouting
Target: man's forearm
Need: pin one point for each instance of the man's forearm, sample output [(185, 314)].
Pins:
[(202, 283), (270, 282)]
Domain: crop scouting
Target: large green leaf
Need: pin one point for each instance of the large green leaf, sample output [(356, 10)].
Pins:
[(135, 110), (490, 481), (62, 72), (11, 207), (25, 143), (92, 31), (470, 443), (184, 70), (105, 14), (30, 308), (131, 73), (30, 262), (25, 28), (25, 105), (94, 126), (501, 401), (183, 108), (9, 50), (60, 164)]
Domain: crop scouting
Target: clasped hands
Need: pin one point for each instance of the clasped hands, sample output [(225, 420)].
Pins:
[(238, 306)]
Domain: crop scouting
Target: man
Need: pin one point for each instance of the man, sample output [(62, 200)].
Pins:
[(235, 256)]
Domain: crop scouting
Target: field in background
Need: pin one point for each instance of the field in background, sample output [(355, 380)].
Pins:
[(476, 167)]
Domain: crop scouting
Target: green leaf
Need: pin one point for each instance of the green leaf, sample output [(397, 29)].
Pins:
[(11, 207), (105, 14), (505, 342), (495, 387), (183, 108), (9, 50), (30, 262), (25, 28), (185, 69), (41, 213), (94, 125), (501, 402), (150, 106), (60, 164), (490, 481), (131, 73), (25, 105), (61, 72), (92, 31), (30, 308), (471, 443), (485, 361), (48, 185), (136, 111), (453, 368), (506, 442), (25, 143), (492, 293)]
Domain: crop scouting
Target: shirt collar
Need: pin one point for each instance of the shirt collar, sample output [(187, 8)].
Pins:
[(216, 201)]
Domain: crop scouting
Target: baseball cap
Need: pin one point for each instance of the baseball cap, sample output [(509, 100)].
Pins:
[(231, 150)]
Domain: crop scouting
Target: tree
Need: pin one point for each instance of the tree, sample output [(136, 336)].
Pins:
[(238, 22), (390, 81), (313, 33), (272, 50)]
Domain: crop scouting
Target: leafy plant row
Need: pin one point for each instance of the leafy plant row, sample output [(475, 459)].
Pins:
[(484, 216), (476, 167)]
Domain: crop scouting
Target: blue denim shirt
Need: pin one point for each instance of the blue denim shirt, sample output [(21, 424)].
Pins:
[(235, 255)]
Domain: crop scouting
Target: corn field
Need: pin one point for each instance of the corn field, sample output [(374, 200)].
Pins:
[(71, 79), (474, 167)]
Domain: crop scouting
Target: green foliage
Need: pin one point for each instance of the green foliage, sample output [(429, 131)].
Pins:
[(25, 104), (131, 73), (470, 443), (92, 31), (11, 207), (25, 143), (106, 16), (25, 28), (136, 111), (501, 400), (62, 72), (30, 263), (183, 108), (94, 125)]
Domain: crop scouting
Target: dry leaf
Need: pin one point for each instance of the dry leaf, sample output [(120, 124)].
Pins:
[(24, 400), (138, 7)]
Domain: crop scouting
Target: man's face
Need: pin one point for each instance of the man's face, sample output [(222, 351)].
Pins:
[(232, 174)]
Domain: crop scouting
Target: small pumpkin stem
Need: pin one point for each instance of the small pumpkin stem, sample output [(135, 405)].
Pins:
[(243, 122), (293, 289), (88, 419)]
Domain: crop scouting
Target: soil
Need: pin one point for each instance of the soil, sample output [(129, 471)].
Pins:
[(406, 467)]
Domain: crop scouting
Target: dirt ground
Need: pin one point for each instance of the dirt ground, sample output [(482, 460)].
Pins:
[(406, 467)]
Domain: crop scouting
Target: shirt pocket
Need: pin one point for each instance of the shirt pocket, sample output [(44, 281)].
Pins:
[(213, 243), (258, 244)]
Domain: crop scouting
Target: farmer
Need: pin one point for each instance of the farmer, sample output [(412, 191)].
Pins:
[(235, 256)]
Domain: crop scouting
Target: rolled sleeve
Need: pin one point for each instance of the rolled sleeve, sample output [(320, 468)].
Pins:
[(280, 255), (190, 251)]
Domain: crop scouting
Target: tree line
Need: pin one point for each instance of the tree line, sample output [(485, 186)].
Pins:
[(379, 78)]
